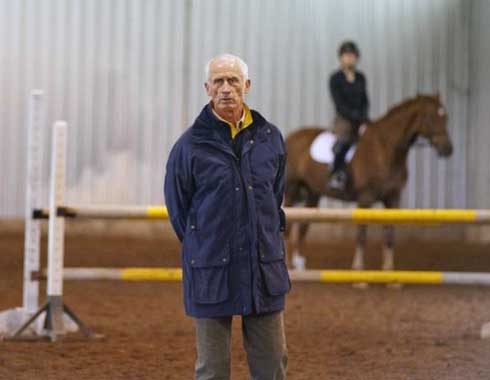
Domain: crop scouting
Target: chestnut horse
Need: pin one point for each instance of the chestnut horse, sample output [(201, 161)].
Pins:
[(377, 172)]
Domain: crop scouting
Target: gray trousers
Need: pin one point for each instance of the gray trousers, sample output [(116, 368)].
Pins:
[(264, 341)]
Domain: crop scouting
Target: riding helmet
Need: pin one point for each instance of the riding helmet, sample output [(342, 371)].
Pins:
[(349, 47)]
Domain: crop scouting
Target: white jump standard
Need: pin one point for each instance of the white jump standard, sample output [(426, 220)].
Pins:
[(54, 308), (10, 320)]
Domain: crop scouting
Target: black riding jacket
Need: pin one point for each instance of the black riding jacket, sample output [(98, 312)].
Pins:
[(350, 98)]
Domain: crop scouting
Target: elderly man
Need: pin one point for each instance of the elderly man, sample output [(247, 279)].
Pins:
[(224, 188)]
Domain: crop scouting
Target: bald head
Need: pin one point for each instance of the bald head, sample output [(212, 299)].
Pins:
[(226, 61)]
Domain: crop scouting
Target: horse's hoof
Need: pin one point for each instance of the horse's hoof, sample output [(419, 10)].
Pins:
[(360, 285), (394, 285), (299, 262)]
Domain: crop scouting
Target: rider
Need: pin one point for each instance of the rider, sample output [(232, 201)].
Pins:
[(349, 94)]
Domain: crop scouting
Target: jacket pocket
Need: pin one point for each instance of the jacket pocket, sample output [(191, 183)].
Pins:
[(274, 272), (209, 282)]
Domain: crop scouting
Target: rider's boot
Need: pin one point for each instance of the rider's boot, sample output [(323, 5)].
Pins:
[(338, 176)]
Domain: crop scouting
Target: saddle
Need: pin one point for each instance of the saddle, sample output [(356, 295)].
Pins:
[(321, 149)]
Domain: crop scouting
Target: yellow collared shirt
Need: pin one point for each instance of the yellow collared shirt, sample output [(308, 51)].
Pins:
[(245, 121)]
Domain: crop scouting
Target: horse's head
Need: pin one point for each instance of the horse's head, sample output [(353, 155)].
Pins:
[(432, 124)]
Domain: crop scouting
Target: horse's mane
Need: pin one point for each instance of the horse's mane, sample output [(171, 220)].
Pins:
[(400, 106), (406, 104)]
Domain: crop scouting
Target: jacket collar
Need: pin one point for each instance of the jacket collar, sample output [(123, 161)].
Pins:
[(245, 121), (205, 130)]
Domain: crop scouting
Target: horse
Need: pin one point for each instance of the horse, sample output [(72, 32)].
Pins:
[(377, 171)]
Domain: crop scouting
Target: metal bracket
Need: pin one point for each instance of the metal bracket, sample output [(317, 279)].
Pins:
[(54, 325)]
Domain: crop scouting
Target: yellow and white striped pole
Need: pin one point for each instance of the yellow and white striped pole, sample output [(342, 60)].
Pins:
[(321, 275), (293, 214)]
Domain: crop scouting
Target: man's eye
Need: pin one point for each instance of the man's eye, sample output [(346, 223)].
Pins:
[(218, 81)]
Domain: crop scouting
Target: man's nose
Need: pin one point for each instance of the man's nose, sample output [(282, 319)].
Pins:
[(226, 88)]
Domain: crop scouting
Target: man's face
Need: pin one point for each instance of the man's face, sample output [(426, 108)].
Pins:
[(348, 60), (226, 85)]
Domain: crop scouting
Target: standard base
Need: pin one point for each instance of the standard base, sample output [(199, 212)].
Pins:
[(12, 319), (485, 331), (58, 320)]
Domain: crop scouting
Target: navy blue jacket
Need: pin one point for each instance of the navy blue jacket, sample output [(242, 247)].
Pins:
[(224, 200)]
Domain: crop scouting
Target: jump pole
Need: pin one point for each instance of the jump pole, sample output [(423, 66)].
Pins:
[(293, 214), (11, 320), (54, 308), (320, 275)]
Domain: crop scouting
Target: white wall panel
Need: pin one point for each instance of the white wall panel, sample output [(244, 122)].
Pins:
[(128, 77), (479, 119)]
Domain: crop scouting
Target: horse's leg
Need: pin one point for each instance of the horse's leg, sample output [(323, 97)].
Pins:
[(299, 261), (388, 247), (389, 236), (364, 201), (288, 202), (291, 242), (358, 262), (292, 197), (389, 241)]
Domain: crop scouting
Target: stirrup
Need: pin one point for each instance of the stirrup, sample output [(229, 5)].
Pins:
[(337, 180)]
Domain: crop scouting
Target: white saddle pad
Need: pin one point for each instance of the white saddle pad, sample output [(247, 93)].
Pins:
[(321, 150)]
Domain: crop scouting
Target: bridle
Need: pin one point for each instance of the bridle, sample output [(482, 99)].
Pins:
[(428, 124)]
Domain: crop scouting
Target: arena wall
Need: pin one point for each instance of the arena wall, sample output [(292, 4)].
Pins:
[(127, 76)]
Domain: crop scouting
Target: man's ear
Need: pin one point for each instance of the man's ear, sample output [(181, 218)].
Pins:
[(248, 83), (207, 88)]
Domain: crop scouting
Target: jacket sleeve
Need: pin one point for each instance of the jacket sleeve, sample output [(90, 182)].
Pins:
[(365, 103), (340, 105), (178, 189), (280, 185)]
